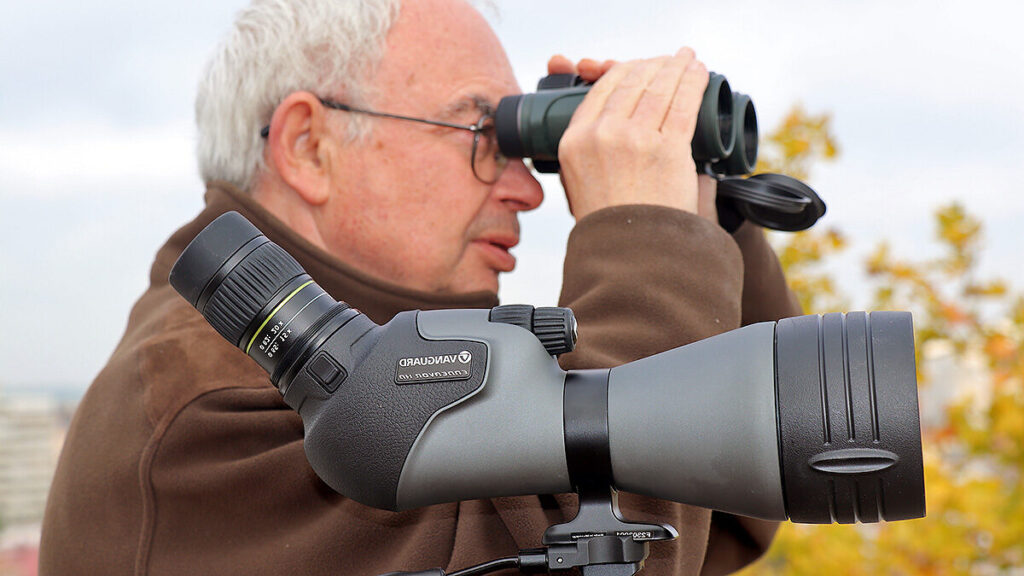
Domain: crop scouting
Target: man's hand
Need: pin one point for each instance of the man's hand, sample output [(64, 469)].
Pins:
[(629, 140)]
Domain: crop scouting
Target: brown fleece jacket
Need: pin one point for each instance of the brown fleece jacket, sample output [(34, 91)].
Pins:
[(183, 458)]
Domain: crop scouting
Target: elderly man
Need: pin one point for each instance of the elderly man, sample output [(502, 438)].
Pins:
[(183, 459)]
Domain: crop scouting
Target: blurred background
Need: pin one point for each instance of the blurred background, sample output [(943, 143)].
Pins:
[(907, 118)]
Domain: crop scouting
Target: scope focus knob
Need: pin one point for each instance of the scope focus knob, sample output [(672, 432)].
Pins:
[(554, 327)]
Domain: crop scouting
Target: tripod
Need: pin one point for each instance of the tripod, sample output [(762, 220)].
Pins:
[(597, 541)]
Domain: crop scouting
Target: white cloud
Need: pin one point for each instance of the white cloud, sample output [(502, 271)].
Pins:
[(74, 158)]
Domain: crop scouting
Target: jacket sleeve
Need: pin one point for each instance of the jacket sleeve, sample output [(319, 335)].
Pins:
[(231, 493), (735, 541), (645, 279)]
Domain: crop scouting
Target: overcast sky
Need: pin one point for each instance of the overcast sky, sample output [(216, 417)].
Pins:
[(96, 135)]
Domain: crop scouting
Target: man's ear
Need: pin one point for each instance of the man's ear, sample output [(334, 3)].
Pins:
[(300, 147)]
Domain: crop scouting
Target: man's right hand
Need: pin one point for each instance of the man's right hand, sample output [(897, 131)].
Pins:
[(629, 140)]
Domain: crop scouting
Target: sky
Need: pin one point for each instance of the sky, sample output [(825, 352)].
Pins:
[(97, 162)]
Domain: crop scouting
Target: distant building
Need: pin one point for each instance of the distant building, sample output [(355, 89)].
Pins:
[(32, 430), (951, 377)]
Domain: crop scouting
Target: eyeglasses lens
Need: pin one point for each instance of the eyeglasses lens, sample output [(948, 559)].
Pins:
[(488, 161)]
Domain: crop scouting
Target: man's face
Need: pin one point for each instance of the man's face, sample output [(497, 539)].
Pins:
[(405, 205)]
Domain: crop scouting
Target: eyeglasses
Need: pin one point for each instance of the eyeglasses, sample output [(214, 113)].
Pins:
[(486, 159)]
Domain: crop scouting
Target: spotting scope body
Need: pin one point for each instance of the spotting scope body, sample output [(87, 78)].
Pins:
[(811, 418)]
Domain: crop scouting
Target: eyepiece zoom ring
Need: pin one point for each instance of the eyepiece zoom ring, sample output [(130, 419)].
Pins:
[(247, 289)]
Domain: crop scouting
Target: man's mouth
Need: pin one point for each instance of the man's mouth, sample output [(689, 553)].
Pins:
[(496, 251)]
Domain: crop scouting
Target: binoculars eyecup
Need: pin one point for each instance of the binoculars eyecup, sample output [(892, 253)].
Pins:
[(743, 157), (506, 126), (713, 137)]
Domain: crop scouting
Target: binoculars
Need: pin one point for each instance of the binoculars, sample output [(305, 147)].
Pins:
[(724, 146), (531, 125)]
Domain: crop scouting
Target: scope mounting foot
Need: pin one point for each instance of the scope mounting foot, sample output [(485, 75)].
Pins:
[(599, 541)]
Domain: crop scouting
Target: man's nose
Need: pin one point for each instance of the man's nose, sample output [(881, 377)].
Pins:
[(518, 188)]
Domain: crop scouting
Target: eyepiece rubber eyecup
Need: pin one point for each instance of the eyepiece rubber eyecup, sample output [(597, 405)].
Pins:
[(230, 272), (208, 252)]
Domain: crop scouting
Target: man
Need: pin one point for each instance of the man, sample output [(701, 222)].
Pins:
[(183, 458)]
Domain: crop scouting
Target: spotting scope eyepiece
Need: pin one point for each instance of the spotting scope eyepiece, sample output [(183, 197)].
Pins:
[(812, 418)]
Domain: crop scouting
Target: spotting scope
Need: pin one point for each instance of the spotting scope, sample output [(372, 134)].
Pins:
[(812, 419)]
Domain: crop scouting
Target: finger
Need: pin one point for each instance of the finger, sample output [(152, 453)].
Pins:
[(594, 101), (623, 99), (682, 113), (591, 70), (656, 100), (559, 64)]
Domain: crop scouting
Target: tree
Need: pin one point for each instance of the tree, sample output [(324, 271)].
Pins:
[(800, 141), (974, 454)]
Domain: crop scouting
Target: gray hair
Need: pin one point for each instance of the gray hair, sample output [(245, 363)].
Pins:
[(275, 48)]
